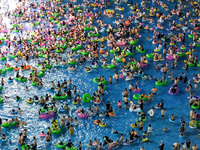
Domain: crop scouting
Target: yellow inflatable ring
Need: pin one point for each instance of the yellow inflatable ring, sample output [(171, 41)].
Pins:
[(192, 123), (19, 53), (188, 53), (144, 140), (102, 125), (185, 61)]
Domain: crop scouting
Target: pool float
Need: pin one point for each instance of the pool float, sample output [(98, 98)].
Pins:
[(60, 97), (139, 50), (80, 115), (76, 48), (42, 135), (143, 119), (128, 78), (110, 66), (20, 79), (25, 147), (11, 56), (118, 59), (191, 36), (171, 120), (120, 43), (134, 125), (170, 92), (143, 65), (14, 112), (48, 66), (102, 125), (56, 131), (8, 68), (61, 145), (137, 97), (121, 76), (61, 110), (190, 64), (161, 83), (195, 107), (2, 71), (145, 140), (83, 53), (170, 57), (73, 148), (131, 109), (72, 63), (46, 115), (39, 74), (136, 90), (30, 101), (149, 55), (9, 124), (95, 80), (86, 98), (197, 124), (33, 83), (111, 114), (192, 124), (180, 54), (3, 58)]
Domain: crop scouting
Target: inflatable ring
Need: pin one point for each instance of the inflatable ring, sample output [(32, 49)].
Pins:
[(30, 102), (61, 145), (111, 114), (95, 80), (60, 97), (136, 96), (56, 131), (144, 140), (86, 98), (102, 125)]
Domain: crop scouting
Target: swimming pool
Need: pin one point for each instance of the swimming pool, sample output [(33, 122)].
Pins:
[(87, 130)]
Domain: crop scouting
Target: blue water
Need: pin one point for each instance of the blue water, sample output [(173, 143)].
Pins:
[(87, 130)]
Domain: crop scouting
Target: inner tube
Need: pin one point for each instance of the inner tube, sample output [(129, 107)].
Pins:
[(86, 98), (95, 80), (110, 66), (161, 83), (61, 145), (60, 97)]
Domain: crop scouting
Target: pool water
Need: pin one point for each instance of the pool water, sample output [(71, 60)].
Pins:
[(87, 130)]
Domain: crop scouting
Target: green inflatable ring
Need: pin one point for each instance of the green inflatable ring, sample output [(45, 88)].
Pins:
[(136, 96), (3, 58), (95, 80), (161, 83), (86, 98), (149, 55), (137, 48), (20, 79), (72, 63), (33, 83), (2, 71), (60, 97), (48, 66), (11, 56), (59, 145), (195, 107), (110, 66), (56, 131)]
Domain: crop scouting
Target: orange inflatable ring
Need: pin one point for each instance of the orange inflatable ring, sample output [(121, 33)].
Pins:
[(196, 28), (102, 52), (95, 122), (111, 114), (28, 67), (16, 68), (94, 51)]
